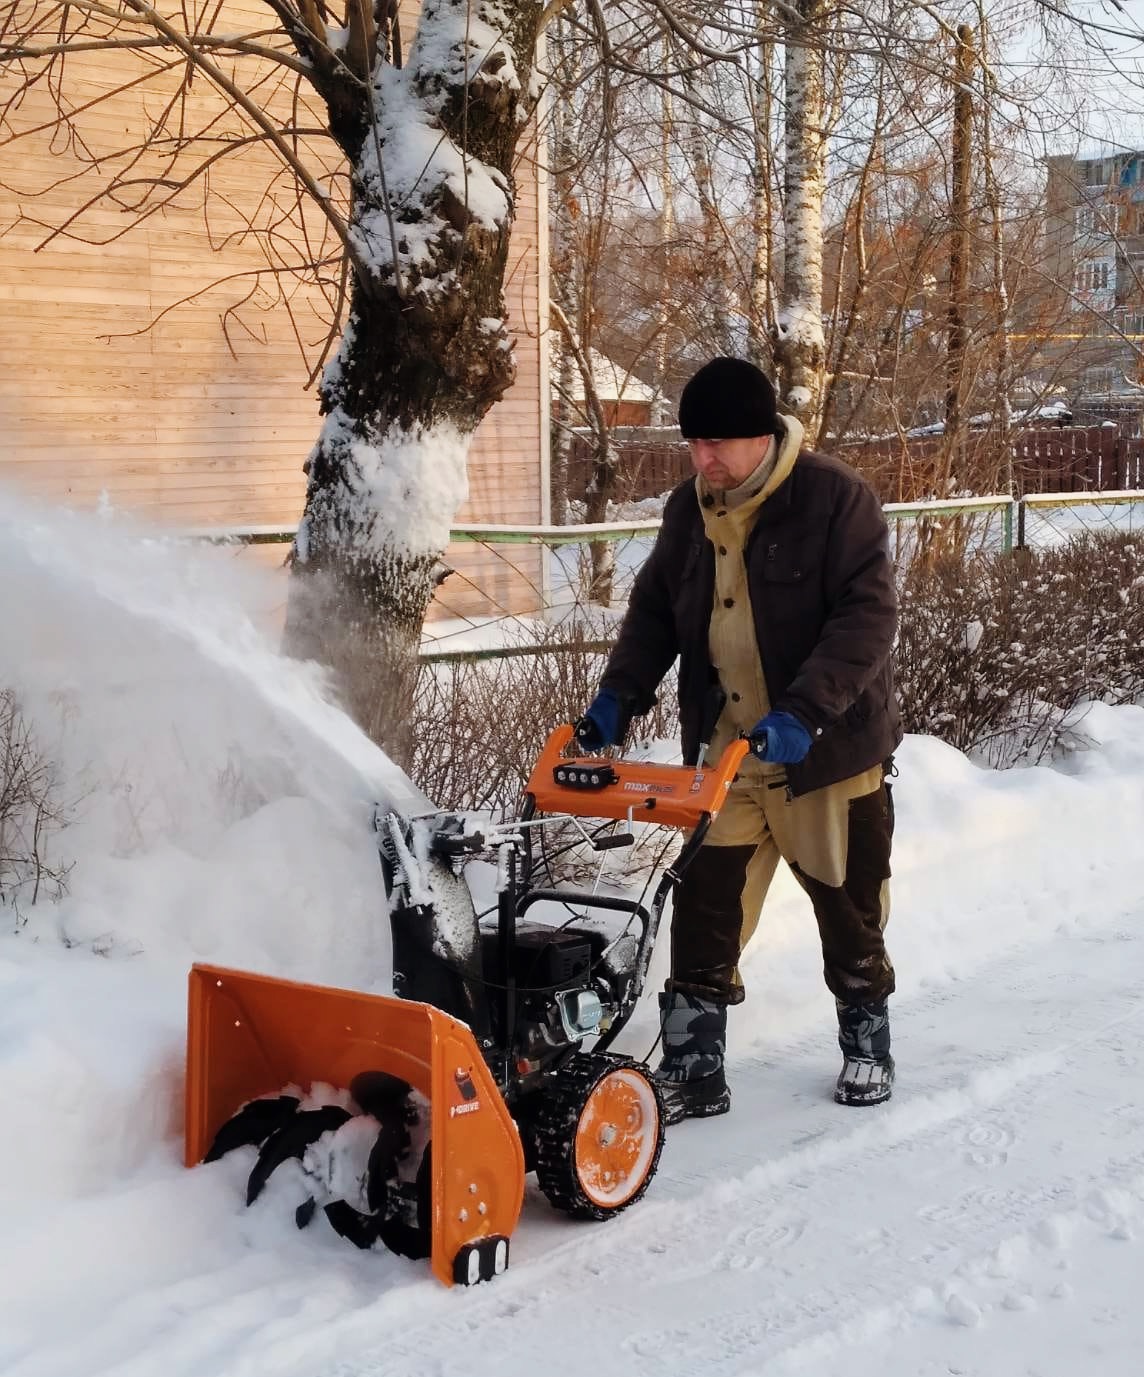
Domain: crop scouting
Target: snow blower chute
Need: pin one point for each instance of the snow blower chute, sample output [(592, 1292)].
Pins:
[(414, 1119)]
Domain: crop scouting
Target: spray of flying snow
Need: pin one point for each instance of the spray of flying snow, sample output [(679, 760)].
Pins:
[(223, 801)]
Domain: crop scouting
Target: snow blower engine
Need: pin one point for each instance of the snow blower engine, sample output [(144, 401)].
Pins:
[(412, 1120)]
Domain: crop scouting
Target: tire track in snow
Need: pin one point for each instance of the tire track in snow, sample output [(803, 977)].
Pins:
[(844, 1238)]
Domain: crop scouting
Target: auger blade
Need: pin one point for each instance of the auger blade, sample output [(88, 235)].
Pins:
[(386, 1099), (362, 1230), (413, 1240), (252, 1125), (291, 1141)]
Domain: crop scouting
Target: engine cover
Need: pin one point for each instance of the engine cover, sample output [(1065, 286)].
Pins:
[(545, 958)]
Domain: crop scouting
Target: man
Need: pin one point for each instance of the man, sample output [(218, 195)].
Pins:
[(771, 581)]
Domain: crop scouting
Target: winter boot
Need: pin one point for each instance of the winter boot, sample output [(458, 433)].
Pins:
[(690, 1076), (867, 1074)]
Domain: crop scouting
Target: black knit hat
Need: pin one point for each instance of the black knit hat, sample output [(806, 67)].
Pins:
[(727, 399)]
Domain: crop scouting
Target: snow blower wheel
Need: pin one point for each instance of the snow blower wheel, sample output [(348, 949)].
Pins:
[(599, 1132)]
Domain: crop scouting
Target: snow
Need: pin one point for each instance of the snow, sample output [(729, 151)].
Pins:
[(611, 382), (987, 1221), (454, 45), (801, 324), (404, 486)]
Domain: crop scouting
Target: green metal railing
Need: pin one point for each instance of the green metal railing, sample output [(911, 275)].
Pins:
[(1013, 513), (1011, 510)]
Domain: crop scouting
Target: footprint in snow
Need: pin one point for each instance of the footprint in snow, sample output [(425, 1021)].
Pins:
[(987, 1144)]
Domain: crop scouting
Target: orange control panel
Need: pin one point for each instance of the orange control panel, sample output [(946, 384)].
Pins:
[(600, 787)]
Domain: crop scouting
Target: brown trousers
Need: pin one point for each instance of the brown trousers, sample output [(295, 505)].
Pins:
[(836, 841)]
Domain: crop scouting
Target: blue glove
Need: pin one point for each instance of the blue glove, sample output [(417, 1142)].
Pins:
[(780, 738), (600, 725)]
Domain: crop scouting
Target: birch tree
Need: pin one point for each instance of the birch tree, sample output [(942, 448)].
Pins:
[(800, 344)]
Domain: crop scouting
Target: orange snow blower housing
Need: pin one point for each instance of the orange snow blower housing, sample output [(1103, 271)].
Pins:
[(415, 1118), (250, 1035)]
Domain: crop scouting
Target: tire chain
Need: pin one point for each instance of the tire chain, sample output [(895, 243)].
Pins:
[(554, 1124)]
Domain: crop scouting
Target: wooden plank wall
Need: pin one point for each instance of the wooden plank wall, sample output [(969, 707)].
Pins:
[(112, 391)]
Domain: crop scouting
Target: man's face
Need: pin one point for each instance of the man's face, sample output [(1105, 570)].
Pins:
[(727, 463)]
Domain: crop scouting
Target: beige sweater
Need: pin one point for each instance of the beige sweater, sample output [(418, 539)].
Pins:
[(731, 639)]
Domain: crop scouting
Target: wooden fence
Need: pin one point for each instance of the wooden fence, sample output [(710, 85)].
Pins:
[(1045, 459)]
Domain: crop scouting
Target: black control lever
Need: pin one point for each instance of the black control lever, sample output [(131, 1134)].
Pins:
[(450, 840), (611, 843)]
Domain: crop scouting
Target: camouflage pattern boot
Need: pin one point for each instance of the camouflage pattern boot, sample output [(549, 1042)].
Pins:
[(867, 1074), (690, 1076)]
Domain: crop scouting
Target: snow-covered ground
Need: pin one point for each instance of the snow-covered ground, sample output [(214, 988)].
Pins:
[(987, 1221)]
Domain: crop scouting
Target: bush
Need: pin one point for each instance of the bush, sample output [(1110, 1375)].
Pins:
[(479, 724), (30, 811), (995, 653)]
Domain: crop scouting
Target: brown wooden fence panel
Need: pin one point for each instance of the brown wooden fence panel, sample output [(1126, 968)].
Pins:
[(1045, 459), (645, 468)]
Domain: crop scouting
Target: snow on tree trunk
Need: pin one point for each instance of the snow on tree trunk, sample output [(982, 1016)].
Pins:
[(426, 350), (800, 344)]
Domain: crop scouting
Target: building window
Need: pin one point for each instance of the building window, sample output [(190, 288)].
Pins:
[(1085, 219), (1094, 276)]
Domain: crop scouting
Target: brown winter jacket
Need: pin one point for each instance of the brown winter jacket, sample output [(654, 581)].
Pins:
[(824, 609)]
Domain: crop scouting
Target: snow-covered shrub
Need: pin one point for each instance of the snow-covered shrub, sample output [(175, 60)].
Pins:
[(995, 652), (30, 812)]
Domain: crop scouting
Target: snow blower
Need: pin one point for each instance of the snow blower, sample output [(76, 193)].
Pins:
[(412, 1120)]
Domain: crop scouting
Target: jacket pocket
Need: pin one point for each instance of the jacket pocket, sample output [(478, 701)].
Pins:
[(785, 561)]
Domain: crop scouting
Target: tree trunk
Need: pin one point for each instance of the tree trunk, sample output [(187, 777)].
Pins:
[(1003, 410), (562, 439), (660, 411), (861, 267), (761, 293), (800, 344), (426, 351), (958, 260)]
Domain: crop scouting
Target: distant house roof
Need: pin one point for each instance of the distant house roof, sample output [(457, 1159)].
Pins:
[(613, 383), (1059, 412)]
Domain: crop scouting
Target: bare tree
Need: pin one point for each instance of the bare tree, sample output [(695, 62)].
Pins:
[(31, 810), (406, 154)]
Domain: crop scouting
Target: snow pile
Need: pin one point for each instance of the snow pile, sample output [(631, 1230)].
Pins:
[(221, 801)]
